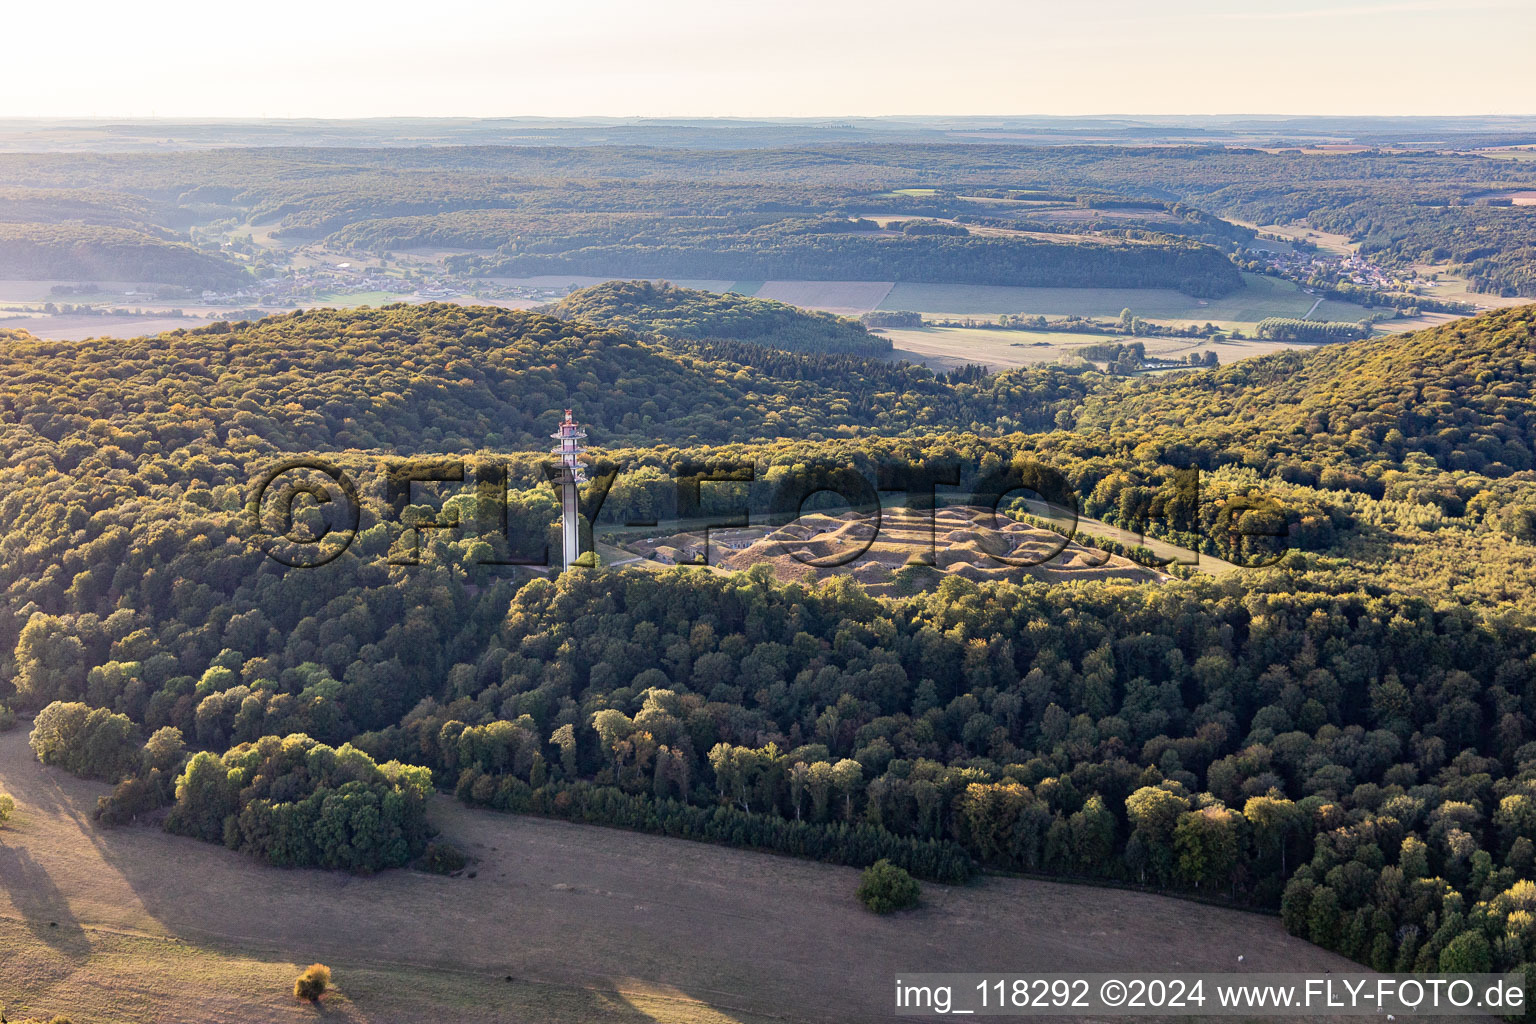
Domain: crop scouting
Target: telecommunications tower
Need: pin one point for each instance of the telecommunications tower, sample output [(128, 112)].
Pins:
[(570, 473)]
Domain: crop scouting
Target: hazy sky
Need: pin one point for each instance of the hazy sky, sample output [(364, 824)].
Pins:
[(322, 58)]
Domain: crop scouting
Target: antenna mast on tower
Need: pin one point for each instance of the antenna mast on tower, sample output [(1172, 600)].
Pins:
[(571, 474)]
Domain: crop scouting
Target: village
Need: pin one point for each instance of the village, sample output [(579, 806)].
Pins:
[(1318, 268)]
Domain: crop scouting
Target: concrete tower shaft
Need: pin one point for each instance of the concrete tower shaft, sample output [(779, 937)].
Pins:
[(571, 474)]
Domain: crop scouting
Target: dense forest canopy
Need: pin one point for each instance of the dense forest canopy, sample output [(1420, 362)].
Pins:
[(81, 252), (1458, 394), (685, 313), (818, 250), (1343, 734)]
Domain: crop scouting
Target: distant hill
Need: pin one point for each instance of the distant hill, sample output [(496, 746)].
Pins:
[(811, 250), (684, 313), (1461, 393), (93, 252), (448, 378)]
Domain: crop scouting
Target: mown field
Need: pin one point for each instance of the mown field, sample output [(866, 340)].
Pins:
[(1263, 297), (561, 923), (949, 347)]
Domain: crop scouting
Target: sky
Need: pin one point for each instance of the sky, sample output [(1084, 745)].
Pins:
[(788, 58)]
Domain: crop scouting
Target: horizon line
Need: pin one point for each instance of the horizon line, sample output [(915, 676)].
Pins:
[(779, 118)]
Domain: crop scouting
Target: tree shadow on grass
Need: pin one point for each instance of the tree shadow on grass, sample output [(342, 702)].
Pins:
[(43, 908)]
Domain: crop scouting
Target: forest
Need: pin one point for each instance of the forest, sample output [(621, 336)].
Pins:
[(684, 313), (815, 250), (1149, 216), (95, 253), (1341, 733)]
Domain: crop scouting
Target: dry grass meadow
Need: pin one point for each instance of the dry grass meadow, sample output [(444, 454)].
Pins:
[(561, 923)]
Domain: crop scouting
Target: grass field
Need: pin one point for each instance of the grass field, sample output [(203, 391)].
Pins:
[(586, 281), (1454, 289), (1328, 242), (945, 348), (358, 298), (591, 924), (64, 327), (1263, 297), (948, 347), (843, 297)]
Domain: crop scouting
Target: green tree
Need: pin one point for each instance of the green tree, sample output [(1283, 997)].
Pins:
[(163, 748), (50, 662), (884, 888), (1467, 953), (847, 776), (1276, 822), (205, 797), (1154, 812), (1206, 842), (1093, 836), (89, 742)]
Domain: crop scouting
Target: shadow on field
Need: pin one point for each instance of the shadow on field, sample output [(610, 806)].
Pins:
[(43, 906)]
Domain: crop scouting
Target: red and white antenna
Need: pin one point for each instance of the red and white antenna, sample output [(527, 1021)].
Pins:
[(570, 436)]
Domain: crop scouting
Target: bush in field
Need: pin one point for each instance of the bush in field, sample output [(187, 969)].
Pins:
[(7, 807), (311, 985), (443, 859), (886, 887)]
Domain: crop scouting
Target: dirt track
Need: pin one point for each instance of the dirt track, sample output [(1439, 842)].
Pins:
[(675, 930)]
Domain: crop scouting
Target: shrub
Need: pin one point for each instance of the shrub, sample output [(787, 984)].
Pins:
[(443, 859), (133, 797), (311, 985), (7, 807), (886, 887)]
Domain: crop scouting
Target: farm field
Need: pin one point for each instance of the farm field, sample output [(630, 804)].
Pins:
[(1327, 241), (587, 281), (1263, 297), (944, 348), (27, 291), (358, 298), (844, 297), (589, 924), (64, 327), (1454, 289)]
